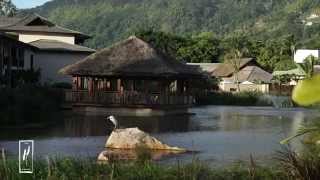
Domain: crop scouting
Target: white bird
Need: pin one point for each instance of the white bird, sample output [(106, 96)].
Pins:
[(113, 120)]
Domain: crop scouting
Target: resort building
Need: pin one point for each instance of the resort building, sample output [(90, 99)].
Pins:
[(132, 74), (12, 59), (250, 77), (55, 47)]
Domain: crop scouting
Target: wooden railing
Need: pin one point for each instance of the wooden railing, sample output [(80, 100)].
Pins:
[(127, 98)]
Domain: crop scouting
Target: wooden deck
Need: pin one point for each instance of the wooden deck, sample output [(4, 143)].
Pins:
[(128, 98)]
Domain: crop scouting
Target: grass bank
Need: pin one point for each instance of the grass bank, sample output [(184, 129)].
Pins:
[(235, 99), (89, 169), (287, 165), (28, 104)]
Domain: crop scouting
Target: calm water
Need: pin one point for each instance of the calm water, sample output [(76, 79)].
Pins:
[(221, 134)]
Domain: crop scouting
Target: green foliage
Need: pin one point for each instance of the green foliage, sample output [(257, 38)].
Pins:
[(203, 48), (193, 30), (111, 20), (276, 54), (308, 66), (200, 48)]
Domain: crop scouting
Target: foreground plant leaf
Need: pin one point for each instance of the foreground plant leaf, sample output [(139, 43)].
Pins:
[(307, 91), (302, 131)]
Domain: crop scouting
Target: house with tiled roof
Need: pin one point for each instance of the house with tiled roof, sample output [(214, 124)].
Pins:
[(54, 46), (251, 77)]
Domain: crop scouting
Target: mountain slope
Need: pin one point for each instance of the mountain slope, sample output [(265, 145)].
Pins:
[(110, 20)]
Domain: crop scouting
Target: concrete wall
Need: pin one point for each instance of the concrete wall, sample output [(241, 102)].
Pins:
[(29, 37), (51, 62), (245, 87)]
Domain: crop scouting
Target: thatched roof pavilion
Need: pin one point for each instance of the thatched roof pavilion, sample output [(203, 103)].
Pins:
[(131, 58), (132, 72)]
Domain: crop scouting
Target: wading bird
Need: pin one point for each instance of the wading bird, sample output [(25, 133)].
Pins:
[(113, 120)]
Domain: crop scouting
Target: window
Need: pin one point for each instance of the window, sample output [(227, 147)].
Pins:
[(21, 57), (31, 61), (14, 56), (5, 56)]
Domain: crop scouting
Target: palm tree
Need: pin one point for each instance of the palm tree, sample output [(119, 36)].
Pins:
[(237, 46)]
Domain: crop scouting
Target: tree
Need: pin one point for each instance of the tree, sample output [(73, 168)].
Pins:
[(236, 50), (7, 8), (277, 54), (203, 48), (165, 42)]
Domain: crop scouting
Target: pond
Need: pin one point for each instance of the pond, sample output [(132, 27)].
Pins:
[(219, 134)]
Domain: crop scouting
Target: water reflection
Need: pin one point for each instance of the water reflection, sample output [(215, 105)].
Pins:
[(221, 134), (80, 125)]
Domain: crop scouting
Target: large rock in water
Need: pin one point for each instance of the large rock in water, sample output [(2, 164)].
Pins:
[(131, 138)]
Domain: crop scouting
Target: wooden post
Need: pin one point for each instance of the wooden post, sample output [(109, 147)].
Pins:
[(90, 87), (119, 98), (74, 83), (119, 85)]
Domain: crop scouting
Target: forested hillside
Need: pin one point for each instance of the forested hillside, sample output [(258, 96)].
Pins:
[(110, 20)]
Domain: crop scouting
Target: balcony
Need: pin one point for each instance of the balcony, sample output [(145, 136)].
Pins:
[(128, 98)]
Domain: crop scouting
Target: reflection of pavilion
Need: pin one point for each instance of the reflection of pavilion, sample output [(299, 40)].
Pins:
[(85, 125), (132, 74)]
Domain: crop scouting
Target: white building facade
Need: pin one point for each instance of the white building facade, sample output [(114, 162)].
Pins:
[(54, 46)]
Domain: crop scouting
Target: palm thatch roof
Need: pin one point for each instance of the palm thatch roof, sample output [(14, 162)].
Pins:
[(226, 69), (131, 58), (252, 74)]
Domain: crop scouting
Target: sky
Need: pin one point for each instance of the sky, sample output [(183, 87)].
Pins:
[(22, 4)]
